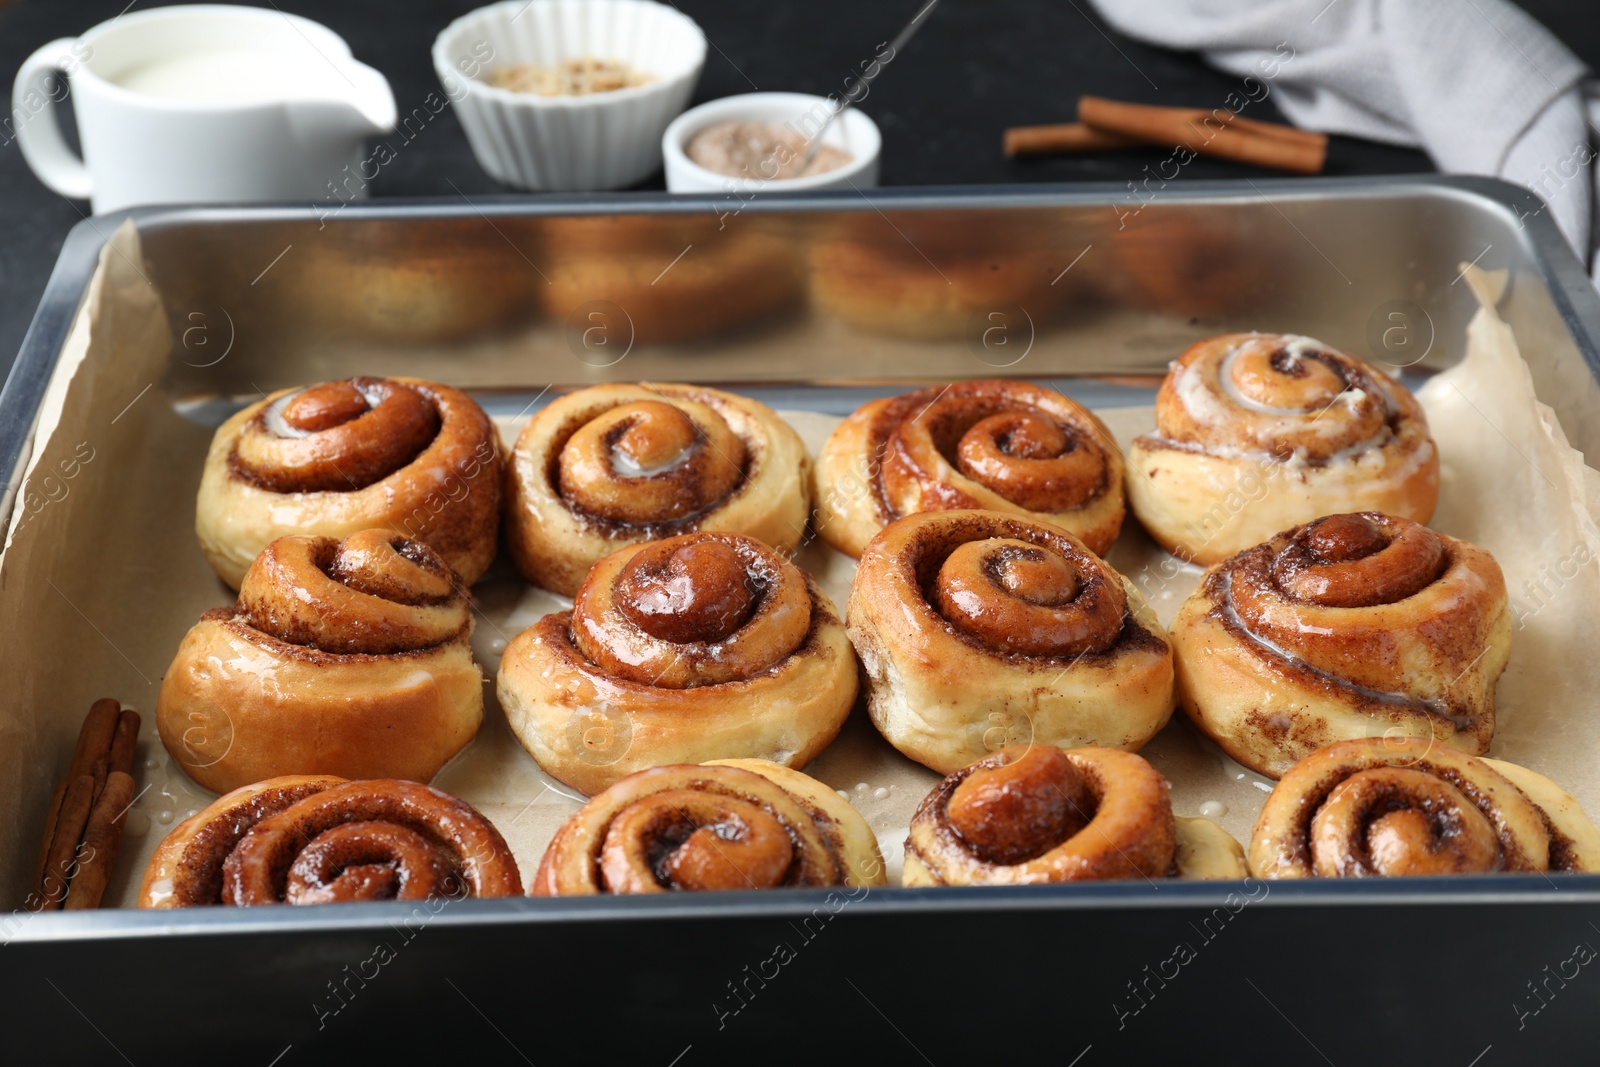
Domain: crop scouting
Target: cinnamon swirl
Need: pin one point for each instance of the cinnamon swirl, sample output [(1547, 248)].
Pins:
[(1259, 432), (415, 458), (340, 657), (995, 444), (305, 839), (1031, 814), (696, 647), (615, 465), (733, 824), (977, 629), (1351, 626), (1399, 806)]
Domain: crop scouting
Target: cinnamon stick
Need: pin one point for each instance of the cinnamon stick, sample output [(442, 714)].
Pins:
[(94, 742), (75, 805), (1072, 137), (1244, 143), (1276, 129), (124, 741), (1064, 138), (101, 836), (44, 846), (1221, 117), (104, 750)]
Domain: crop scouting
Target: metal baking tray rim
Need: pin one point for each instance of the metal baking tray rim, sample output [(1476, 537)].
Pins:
[(777, 904), (1570, 290)]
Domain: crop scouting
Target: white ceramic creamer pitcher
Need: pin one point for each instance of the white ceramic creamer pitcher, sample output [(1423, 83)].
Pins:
[(207, 103)]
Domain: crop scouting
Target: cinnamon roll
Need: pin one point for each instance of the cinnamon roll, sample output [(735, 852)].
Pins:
[(733, 824), (615, 465), (978, 629), (1256, 433), (415, 458), (1352, 626), (1399, 806), (700, 646), (306, 839), (995, 444), (340, 657), (1031, 814)]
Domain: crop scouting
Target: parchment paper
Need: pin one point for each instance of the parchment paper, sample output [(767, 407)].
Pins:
[(99, 584)]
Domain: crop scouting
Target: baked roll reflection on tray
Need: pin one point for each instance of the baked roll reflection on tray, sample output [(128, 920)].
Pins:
[(1398, 806), (883, 280), (416, 458), (1256, 433), (309, 839), (614, 465), (647, 279), (994, 444), (696, 647), (1351, 626), (1033, 814), (340, 657), (728, 824), (977, 629)]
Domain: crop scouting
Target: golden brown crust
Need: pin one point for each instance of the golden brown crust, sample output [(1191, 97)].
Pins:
[(943, 695), (693, 610), (730, 825), (1256, 433), (383, 687), (186, 869), (1033, 814), (1574, 840), (994, 444), (776, 684), (415, 458), (1395, 806), (851, 838), (1272, 674), (1208, 852), (372, 593), (659, 468), (316, 840)]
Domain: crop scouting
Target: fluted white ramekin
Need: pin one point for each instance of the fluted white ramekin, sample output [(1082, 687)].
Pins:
[(600, 141)]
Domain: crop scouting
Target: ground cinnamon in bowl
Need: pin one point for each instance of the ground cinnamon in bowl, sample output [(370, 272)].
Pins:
[(761, 150)]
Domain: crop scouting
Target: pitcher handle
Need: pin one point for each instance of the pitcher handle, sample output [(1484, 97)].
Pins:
[(40, 85)]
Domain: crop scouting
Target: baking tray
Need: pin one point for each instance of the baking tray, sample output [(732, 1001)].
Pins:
[(1443, 969)]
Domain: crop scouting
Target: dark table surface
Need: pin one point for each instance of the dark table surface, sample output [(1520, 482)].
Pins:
[(975, 68)]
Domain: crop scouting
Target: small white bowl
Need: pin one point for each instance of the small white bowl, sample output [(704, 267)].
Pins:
[(600, 141), (853, 132)]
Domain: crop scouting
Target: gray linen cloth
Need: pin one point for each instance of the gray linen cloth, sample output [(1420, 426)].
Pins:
[(1478, 84)]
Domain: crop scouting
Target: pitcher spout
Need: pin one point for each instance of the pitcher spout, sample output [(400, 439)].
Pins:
[(360, 105), (372, 100)]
